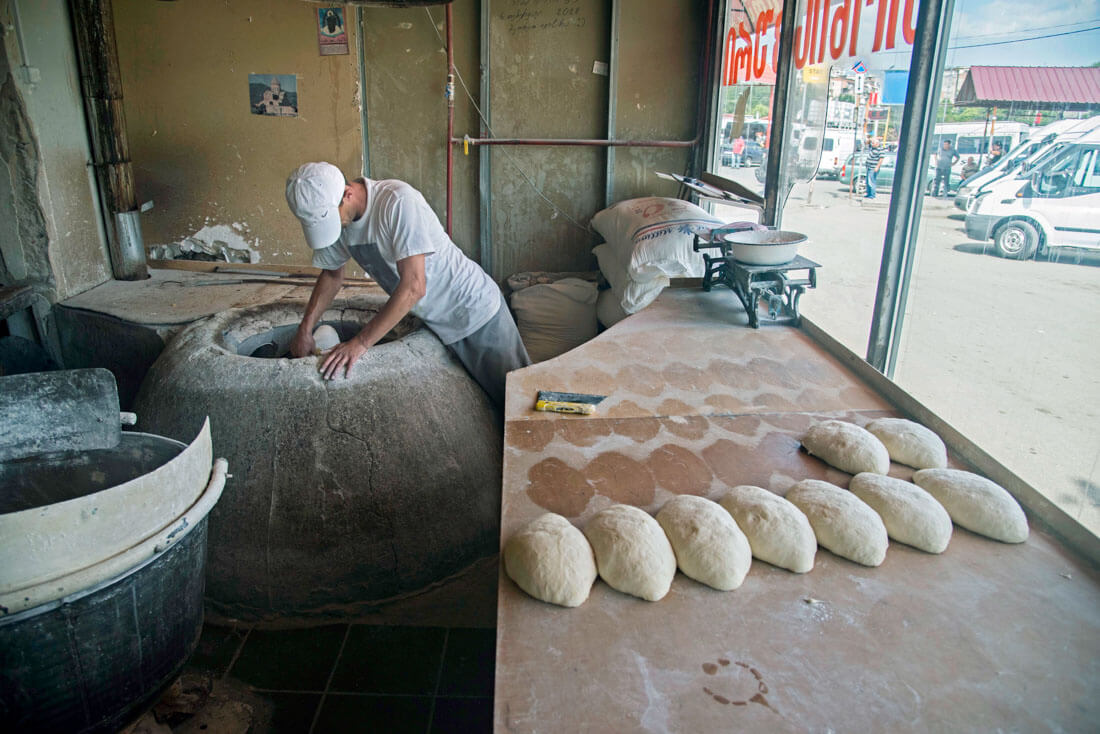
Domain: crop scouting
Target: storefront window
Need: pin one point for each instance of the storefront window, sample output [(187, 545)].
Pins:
[(997, 336)]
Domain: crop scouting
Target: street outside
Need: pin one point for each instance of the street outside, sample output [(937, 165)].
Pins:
[(1003, 350)]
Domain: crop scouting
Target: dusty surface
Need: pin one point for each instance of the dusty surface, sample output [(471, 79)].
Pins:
[(986, 635)]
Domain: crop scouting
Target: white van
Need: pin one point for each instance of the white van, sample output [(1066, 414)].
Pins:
[(1057, 204), (1025, 155), (836, 146)]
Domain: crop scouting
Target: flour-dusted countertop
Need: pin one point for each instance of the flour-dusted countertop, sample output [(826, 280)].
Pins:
[(986, 636)]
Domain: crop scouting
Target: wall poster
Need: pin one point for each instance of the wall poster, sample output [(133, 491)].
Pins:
[(273, 94), (332, 37)]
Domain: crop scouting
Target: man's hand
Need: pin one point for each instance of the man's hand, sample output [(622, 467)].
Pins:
[(343, 355), (302, 344)]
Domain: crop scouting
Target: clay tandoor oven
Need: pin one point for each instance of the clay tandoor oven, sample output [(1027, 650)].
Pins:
[(346, 494)]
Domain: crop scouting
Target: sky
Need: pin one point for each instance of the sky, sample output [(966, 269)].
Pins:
[(995, 31)]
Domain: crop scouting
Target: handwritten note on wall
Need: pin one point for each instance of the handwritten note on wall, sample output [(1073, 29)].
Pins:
[(527, 16)]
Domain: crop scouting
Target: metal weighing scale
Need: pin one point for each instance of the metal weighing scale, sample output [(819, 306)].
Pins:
[(779, 285)]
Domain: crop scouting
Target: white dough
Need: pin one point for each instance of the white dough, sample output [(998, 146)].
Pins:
[(324, 338), (777, 531), (709, 546), (842, 522), (910, 443), (632, 553), (911, 515), (551, 560), (847, 447), (976, 503)]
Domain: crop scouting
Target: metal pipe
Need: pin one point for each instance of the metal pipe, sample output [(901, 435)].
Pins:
[(485, 161), (450, 117), (907, 199), (698, 160), (101, 83), (612, 103), (776, 137), (577, 142)]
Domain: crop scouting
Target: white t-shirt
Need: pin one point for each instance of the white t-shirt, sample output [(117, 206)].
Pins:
[(459, 297)]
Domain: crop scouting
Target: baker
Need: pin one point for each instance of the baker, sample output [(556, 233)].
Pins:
[(388, 228)]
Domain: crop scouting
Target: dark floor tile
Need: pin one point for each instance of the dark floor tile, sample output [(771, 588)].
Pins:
[(366, 714), (286, 713), (390, 660), (468, 663), (462, 716), (289, 660), (216, 648)]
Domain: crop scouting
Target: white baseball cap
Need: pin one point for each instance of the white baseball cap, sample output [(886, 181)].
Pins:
[(314, 192)]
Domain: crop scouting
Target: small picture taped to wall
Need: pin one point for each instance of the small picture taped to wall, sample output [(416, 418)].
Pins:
[(332, 37), (273, 94)]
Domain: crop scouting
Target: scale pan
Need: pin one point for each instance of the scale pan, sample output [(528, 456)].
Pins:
[(764, 247)]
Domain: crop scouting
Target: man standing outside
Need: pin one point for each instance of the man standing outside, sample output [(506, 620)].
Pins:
[(873, 161), (738, 150), (946, 158), (388, 228)]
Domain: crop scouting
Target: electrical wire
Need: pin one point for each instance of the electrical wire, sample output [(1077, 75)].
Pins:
[(503, 151), (1023, 40), (1029, 30)]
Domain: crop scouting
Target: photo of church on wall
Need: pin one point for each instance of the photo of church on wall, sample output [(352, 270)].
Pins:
[(273, 94)]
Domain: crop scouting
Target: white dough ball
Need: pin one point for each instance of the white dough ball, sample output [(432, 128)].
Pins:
[(842, 522), (551, 560), (910, 443), (976, 503), (633, 554), (777, 531), (847, 447), (709, 546), (910, 514), (325, 338)]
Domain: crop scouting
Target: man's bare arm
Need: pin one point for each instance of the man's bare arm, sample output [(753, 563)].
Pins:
[(410, 289), (324, 291)]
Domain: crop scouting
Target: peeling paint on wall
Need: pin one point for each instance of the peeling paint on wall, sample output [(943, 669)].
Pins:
[(220, 242)]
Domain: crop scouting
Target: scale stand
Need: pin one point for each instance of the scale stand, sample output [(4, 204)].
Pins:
[(773, 284)]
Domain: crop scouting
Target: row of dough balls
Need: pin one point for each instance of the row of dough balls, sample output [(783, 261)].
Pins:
[(714, 543)]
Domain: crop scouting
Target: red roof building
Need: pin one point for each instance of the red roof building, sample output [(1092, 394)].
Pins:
[(1031, 87)]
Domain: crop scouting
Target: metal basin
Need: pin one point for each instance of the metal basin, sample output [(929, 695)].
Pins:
[(764, 247)]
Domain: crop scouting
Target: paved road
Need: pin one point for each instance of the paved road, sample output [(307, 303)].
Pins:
[(1005, 351)]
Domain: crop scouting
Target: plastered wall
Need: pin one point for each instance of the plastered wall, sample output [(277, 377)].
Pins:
[(199, 153), (205, 160), (49, 224)]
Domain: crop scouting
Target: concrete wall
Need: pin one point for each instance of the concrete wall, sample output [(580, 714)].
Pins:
[(49, 223), (205, 159), (198, 151)]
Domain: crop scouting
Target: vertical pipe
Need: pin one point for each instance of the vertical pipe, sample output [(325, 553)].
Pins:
[(101, 83), (907, 197), (485, 192), (777, 137), (612, 103), (363, 120), (697, 156), (450, 117)]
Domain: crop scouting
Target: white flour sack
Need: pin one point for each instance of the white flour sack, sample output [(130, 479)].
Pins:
[(553, 318), (653, 236)]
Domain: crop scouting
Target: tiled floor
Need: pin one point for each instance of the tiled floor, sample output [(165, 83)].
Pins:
[(356, 678)]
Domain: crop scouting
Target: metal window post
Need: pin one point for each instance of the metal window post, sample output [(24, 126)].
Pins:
[(925, 76)]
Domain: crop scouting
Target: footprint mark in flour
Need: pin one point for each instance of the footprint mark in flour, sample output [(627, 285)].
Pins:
[(743, 678)]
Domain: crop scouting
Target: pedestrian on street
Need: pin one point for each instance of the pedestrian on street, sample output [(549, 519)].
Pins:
[(873, 161), (738, 150), (946, 158)]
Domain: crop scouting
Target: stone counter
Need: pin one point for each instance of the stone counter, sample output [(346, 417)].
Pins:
[(984, 636)]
